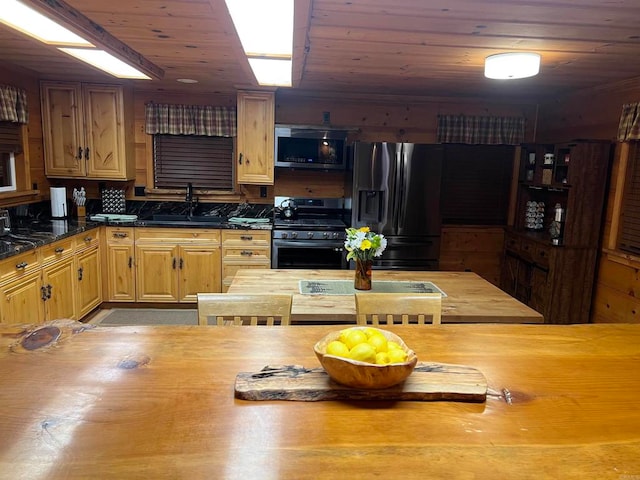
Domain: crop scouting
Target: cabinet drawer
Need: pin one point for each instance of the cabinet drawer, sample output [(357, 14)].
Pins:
[(527, 249), (245, 255), (88, 239), (119, 235), (57, 250), (541, 255), (246, 237), (512, 243), (178, 235), (19, 266)]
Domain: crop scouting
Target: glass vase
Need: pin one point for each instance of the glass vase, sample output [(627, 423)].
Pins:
[(362, 280)]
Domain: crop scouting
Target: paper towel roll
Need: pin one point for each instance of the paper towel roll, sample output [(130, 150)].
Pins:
[(58, 202)]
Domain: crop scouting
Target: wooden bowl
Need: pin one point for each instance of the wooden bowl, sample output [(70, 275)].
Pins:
[(356, 374)]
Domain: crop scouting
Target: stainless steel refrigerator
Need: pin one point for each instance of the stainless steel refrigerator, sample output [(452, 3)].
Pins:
[(396, 192)]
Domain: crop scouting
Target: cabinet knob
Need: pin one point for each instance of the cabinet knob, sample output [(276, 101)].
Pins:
[(120, 235), (87, 239), (130, 262), (80, 272), (86, 153), (21, 265), (246, 253), (59, 250), (79, 153), (240, 159), (246, 237)]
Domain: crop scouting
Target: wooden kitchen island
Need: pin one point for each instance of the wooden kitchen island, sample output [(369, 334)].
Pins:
[(470, 298), (158, 403)]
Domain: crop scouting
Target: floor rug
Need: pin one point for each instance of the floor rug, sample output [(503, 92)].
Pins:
[(149, 316)]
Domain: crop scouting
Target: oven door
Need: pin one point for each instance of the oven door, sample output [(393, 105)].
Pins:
[(323, 254)]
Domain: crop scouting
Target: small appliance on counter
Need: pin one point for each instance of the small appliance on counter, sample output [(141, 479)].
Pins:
[(58, 202), (5, 222)]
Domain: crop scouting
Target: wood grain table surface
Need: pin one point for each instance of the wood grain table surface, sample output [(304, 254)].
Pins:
[(158, 403), (470, 298)]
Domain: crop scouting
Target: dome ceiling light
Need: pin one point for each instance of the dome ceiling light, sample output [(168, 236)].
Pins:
[(510, 66)]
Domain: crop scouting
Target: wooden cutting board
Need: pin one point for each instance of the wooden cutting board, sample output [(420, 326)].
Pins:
[(428, 382)]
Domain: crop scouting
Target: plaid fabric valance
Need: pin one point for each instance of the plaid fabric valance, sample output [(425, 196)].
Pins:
[(204, 120), (480, 130), (629, 128), (13, 104)]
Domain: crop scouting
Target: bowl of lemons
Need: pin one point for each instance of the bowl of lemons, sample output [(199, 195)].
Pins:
[(365, 357)]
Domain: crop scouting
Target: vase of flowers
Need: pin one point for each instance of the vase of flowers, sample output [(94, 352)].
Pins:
[(363, 246)]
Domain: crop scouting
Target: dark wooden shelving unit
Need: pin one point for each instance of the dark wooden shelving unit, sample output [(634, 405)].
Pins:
[(557, 281)]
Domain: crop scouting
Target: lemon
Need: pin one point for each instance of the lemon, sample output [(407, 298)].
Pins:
[(355, 337), (343, 335), (378, 341), (391, 345), (363, 352), (397, 355), (338, 349), (382, 358), (369, 331)]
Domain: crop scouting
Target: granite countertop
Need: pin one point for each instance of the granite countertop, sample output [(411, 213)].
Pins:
[(30, 234), (33, 227)]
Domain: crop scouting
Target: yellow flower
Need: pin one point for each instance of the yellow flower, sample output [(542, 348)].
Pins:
[(365, 245), (364, 229)]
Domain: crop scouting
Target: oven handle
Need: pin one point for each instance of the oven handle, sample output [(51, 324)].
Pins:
[(307, 244)]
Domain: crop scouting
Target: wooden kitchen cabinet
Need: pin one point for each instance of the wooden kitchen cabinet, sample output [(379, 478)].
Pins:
[(58, 280), (120, 264), (173, 264), (256, 131), (88, 272), (244, 249), (557, 280), (21, 300), (88, 131)]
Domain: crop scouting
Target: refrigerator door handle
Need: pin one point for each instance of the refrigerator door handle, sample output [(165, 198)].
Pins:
[(401, 189), (397, 198)]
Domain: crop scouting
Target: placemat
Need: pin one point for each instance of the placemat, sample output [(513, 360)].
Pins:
[(345, 287)]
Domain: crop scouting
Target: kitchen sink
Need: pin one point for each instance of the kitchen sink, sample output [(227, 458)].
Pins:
[(169, 219)]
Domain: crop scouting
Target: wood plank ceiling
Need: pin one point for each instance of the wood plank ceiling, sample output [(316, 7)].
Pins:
[(414, 47)]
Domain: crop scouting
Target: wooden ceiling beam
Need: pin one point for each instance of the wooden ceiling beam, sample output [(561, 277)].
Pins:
[(96, 34)]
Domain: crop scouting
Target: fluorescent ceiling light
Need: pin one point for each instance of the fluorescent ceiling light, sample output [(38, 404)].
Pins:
[(271, 71), (265, 28), (36, 25), (508, 66), (107, 62)]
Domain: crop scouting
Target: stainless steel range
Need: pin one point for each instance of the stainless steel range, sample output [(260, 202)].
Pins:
[(309, 233)]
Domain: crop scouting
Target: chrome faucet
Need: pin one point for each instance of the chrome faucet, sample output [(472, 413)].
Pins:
[(191, 201)]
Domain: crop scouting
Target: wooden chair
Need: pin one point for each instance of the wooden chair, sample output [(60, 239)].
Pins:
[(229, 309), (386, 308)]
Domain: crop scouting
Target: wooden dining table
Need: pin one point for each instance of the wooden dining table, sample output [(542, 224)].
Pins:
[(158, 402), (469, 297)]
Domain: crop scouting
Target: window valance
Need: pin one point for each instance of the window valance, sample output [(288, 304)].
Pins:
[(13, 104), (205, 120), (480, 130), (629, 127)]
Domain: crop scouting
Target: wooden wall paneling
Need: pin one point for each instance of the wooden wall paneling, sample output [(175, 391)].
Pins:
[(309, 183), (476, 249), (613, 306)]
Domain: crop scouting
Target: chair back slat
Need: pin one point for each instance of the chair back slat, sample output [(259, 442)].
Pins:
[(375, 308), (230, 309)]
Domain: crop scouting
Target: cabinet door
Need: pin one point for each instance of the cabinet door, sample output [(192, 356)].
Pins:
[(199, 271), (21, 300), (121, 273), (157, 273), (89, 281), (256, 124), (62, 130), (539, 290), (105, 152), (59, 281)]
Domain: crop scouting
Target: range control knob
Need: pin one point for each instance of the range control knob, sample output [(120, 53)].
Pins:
[(284, 235), (336, 234), (310, 234), (325, 234), (294, 234)]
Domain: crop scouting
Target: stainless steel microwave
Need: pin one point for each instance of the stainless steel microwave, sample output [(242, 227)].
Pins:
[(310, 147)]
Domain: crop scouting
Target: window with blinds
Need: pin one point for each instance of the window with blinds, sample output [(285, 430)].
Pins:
[(10, 137), (629, 234), (206, 162), (476, 182)]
